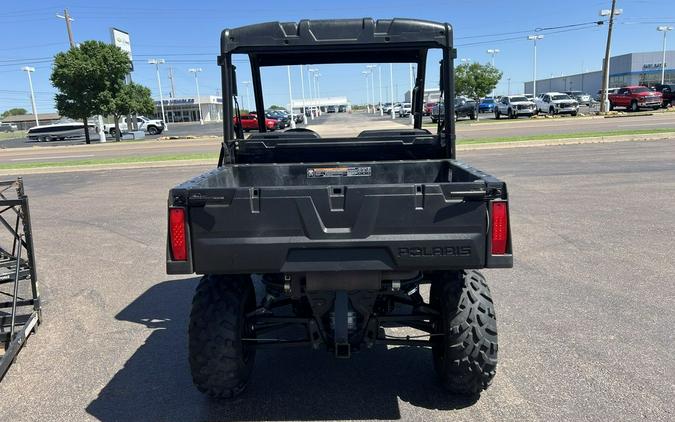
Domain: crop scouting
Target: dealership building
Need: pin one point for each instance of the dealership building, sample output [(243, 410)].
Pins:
[(187, 109), (624, 70)]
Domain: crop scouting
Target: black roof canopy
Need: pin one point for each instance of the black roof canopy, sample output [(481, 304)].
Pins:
[(342, 40)]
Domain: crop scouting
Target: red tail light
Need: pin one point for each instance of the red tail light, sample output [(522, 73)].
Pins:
[(177, 234), (500, 227)]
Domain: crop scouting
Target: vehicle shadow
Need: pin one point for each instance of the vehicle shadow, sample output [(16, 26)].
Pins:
[(287, 384)]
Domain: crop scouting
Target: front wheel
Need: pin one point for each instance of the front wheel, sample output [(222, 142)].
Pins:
[(152, 130), (634, 106), (465, 355), (220, 362), (497, 115)]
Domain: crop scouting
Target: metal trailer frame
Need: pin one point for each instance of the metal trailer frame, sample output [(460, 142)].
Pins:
[(17, 265)]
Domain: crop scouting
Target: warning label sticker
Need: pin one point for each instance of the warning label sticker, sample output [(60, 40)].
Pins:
[(338, 172)]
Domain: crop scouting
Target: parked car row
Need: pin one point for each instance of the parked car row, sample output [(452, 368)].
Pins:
[(464, 107), (8, 127)]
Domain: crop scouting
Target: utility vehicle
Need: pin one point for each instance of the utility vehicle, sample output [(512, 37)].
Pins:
[(332, 243)]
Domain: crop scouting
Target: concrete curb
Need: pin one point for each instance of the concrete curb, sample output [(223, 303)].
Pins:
[(568, 141), (99, 167)]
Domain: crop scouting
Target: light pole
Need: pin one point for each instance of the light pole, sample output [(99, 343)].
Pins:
[(371, 68), (391, 89), (509, 86), (317, 75), (248, 95), (290, 96), (366, 74), (604, 103), (534, 38), (665, 29), (311, 93), (379, 82), (196, 70), (312, 85), (302, 84), (28, 71), (410, 76), (157, 62), (493, 52)]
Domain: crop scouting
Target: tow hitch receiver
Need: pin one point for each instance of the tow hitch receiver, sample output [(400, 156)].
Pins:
[(342, 346)]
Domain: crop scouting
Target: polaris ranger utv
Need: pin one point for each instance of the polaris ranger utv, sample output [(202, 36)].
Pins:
[(341, 232)]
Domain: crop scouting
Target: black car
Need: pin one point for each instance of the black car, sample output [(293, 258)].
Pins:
[(463, 108), (283, 118), (331, 109)]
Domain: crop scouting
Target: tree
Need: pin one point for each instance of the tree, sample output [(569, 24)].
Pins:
[(17, 111), (88, 78), (132, 98), (276, 107), (476, 80)]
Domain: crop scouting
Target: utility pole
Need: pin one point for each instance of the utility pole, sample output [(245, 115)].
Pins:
[(379, 82), (290, 96), (68, 19), (302, 84), (665, 29), (157, 62), (604, 104), (173, 86), (318, 91), (28, 71), (196, 70), (534, 38), (391, 89), (311, 93)]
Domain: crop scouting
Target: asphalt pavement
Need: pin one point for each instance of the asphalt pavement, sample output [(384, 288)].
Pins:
[(585, 316)]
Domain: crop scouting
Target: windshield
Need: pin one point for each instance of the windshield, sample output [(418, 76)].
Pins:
[(640, 90), (517, 99), (560, 97), (488, 100)]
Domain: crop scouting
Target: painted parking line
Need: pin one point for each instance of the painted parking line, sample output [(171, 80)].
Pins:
[(53, 157)]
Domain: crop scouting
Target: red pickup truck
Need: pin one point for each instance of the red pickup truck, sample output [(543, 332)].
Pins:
[(250, 122), (635, 98)]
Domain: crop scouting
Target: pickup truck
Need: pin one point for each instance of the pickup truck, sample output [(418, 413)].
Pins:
[(635, 97), (514, 106), (152, 127), (327, 243), (557, 103), (464, 107), (250, 122)]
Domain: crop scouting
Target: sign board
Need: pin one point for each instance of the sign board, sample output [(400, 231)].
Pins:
[(121, 40)]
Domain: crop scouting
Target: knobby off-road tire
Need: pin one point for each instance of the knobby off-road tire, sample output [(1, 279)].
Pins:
[(219, 361), (466, 357)]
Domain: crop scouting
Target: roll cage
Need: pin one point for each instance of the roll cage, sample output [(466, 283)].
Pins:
[(337, 41)]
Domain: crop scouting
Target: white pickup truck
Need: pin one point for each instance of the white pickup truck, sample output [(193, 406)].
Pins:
[(152, 127)]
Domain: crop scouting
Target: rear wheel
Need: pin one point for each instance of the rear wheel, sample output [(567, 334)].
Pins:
[(220, 361), (465, 357)]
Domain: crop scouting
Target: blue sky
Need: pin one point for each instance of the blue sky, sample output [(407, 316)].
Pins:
[(186, 34)]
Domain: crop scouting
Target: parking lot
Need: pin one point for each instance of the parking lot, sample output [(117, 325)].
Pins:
[(584, 316)]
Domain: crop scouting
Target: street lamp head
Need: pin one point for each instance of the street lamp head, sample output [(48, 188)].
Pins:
[(195, 69), (664, 28), (535, 37), (607, 12), (28, 69), (156, 61), (493, 51)]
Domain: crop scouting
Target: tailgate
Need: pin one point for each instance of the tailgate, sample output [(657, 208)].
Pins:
[(332, 228)]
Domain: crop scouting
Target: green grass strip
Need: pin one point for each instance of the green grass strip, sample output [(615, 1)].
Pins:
[(549, 136), (112, 160)]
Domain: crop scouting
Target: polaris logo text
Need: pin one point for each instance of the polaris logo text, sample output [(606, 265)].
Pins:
[(435, 251)]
